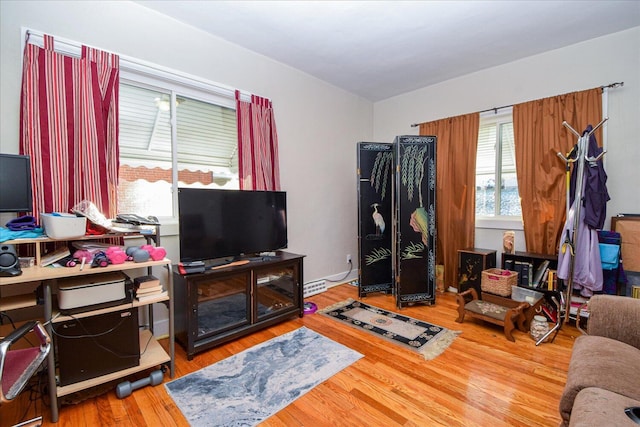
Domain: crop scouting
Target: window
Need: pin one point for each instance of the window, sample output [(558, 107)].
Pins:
[(496, 183), (202, 146)]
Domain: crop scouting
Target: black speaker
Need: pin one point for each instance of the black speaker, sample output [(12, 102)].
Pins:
[(9, 262)]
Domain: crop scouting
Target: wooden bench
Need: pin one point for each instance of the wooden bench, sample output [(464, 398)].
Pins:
[(509, 316)]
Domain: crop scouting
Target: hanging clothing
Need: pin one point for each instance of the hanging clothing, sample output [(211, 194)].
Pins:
[(581, 236), (612, 269), (595, 194), (587, 268)]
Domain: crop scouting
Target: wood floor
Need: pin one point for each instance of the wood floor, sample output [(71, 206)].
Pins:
[(480, 380)]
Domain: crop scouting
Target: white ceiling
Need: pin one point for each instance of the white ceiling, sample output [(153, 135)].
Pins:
[(379, 49)]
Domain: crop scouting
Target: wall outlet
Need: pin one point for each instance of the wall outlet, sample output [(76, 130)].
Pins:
[(348, 258)]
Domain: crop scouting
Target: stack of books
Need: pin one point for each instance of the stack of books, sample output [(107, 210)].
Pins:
[(578, 301), (541, 275), (148, 287), (524, 269)]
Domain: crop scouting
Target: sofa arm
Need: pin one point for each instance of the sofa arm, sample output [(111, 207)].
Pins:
[(615, 317)]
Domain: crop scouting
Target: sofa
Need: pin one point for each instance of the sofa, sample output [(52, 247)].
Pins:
[(603, 378)]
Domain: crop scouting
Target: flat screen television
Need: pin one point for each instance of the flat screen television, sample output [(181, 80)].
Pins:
[(217, 224), (15, 183)]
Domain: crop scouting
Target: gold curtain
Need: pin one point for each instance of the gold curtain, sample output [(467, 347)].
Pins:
[(456, 148), (539, 136)]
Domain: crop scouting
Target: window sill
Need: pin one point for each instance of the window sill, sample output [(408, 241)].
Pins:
[(501, 223), (169, 228)]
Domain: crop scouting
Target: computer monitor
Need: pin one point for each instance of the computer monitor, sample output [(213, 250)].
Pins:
[(15, 183)]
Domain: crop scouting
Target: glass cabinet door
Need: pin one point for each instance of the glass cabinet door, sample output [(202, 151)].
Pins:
[(222, 303), (276, 290)]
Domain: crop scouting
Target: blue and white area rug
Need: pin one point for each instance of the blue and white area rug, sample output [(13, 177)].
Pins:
[(247, 388)]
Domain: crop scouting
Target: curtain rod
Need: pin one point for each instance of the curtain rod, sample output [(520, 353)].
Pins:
[(495, 109), (72, 47)]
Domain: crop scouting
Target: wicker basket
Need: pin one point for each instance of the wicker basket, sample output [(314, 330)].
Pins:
[(499, 282)]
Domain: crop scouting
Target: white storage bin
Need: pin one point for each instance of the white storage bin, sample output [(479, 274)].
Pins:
[(523, 294), (63, 226)]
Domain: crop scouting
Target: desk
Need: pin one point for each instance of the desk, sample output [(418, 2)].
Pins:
[(48, 276)]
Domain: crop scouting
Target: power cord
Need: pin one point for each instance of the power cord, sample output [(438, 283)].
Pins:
[(345, 276), (3, 314)]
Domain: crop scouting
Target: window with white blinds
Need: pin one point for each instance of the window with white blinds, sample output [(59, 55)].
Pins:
[(496, 180), (202, 150)]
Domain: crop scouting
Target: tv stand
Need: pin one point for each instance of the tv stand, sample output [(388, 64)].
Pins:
[(227, 302)]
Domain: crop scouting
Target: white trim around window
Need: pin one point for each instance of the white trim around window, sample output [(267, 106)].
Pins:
[(500, 223)]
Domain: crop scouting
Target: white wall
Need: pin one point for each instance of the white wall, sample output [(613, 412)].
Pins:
[(586, 65), (318, 124)]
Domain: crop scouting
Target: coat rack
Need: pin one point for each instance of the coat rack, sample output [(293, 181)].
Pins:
[(578, 157)]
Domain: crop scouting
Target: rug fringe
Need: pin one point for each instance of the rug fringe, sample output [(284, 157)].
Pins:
[(336, 305), (436, 346)]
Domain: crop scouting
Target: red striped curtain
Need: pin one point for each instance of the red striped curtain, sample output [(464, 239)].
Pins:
[(69, 127), (257, 144)]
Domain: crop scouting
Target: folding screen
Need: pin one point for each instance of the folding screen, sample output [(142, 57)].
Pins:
[(375, 195), (396, 211)]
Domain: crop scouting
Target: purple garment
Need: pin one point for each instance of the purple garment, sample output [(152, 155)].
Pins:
[(587, 268)]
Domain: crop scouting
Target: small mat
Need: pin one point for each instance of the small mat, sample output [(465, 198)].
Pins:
[(427, 339)]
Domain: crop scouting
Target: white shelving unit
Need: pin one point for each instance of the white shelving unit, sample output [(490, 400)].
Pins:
[(155, 355)]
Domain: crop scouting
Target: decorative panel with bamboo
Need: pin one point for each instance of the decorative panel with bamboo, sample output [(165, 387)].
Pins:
[(375, 201), (415, 219)]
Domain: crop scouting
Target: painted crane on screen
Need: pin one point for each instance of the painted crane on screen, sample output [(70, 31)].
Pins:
[(378, 219)]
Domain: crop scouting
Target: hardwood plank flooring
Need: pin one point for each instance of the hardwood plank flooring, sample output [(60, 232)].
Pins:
[(482, 379)]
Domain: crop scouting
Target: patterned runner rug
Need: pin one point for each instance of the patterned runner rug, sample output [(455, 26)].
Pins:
[(248, 387), (425, 338)]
